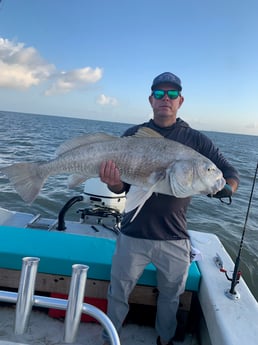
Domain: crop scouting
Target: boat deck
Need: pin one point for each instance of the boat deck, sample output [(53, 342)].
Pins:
[(44, 330)]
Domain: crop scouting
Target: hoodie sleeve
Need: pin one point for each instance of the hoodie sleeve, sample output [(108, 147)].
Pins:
[(208, 149)]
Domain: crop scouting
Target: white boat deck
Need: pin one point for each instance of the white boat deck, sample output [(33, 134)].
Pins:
[(44, 330)]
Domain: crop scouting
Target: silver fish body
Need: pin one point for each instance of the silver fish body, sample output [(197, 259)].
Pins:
[(146, 160)]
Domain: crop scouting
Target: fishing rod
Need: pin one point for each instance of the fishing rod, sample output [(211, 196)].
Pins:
[(236, 273)]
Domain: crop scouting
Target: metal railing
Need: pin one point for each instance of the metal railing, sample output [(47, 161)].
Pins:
[(74, 306)]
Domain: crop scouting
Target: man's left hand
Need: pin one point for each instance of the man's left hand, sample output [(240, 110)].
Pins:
[(226, 192)]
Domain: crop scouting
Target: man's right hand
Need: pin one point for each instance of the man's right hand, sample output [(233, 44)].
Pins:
[(110, 175)]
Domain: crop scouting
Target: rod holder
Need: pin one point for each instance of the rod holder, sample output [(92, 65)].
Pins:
[(25, 300), (25, 294), (75, 302)]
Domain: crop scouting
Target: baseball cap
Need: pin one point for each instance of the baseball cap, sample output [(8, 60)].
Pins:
[(167, 77)]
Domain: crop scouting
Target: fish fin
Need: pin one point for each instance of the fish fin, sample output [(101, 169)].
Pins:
[(155, 177), (26, 179), (136, 197), (144, 132), (83, 140), (76, 179)]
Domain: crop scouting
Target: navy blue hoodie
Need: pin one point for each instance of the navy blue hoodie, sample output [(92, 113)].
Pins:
[(163, 217)]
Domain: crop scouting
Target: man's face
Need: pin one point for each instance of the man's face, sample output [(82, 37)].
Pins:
[(165, 109)]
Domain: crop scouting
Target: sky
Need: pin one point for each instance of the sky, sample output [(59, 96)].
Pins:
[(96, 59)]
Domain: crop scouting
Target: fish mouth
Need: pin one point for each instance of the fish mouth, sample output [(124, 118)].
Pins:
[(220, 183)]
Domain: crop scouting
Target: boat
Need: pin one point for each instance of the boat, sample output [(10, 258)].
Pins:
[(61, 268)]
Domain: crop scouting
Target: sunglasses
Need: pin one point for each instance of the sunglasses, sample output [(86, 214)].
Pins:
[(159, 94)]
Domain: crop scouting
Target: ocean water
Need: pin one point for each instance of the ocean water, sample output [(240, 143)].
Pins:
[(27, 137)]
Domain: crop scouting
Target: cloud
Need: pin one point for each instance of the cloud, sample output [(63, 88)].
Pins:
[(67, 81), (21, 67), (106, 100)]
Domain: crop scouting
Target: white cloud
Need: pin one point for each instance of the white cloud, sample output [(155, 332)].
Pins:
[(67, 81), (106, 100), (21, 67)]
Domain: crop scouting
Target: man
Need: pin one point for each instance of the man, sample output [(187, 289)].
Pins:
[(158, 233)]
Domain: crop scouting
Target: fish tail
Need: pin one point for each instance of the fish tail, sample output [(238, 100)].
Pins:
[(26, 178)]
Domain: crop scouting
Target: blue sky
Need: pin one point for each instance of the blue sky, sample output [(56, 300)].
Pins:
[(97, 59)]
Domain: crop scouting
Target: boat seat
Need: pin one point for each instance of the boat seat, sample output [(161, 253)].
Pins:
[(58, 251)]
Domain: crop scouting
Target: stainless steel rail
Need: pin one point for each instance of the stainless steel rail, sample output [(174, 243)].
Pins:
[(74, 306), (25, 294)]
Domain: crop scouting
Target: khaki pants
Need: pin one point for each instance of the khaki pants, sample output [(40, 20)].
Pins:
[(171, 259)]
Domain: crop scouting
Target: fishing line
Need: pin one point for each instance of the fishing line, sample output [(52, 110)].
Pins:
[(236, 274)]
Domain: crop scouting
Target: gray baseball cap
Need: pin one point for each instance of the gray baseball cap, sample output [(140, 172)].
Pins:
[(167, 77)]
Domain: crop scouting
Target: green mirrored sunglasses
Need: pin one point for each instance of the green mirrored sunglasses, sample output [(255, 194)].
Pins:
[(159, 94)]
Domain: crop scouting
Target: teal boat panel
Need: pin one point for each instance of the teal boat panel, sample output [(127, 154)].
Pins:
[(58, 251)]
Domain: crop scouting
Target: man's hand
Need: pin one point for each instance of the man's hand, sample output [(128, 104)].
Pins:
[(110, 175), (226, 192)]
